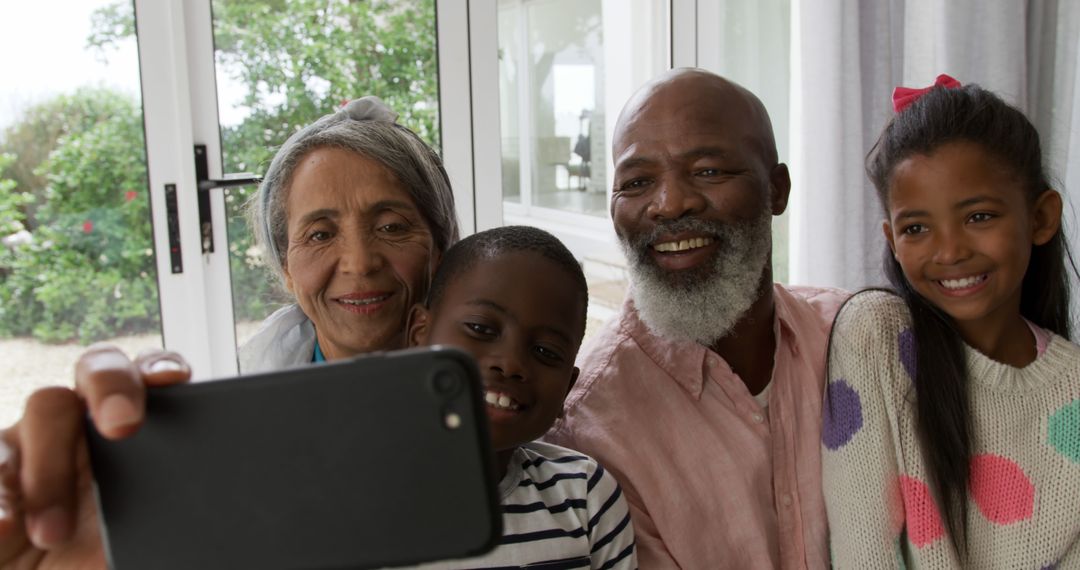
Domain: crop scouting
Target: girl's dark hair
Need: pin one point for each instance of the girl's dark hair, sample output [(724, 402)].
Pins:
[(941, 116)]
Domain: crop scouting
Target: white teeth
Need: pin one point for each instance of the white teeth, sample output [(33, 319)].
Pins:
[(962, 283), (683, 245), (501, 401), (368, 301)]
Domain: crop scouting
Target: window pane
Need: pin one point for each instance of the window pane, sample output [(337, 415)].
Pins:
[(283, 64), (76, 260), (566, 67), (754, 50)]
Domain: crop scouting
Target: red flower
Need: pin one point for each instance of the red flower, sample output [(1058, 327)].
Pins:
[(87, 226), (130, 195)]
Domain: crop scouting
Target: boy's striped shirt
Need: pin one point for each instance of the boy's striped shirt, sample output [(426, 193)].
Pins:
[(561, 509)]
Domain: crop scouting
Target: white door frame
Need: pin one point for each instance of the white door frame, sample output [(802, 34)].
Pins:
[(176, 61)]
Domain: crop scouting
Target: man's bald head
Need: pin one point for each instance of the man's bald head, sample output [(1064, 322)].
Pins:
[(697, 97)]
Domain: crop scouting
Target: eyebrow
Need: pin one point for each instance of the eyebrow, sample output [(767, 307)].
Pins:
[(334, 213), (959, 206), (692, 154), (499, 308)]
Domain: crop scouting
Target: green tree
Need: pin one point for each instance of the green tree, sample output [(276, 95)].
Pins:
[(88, 273), (39, 130)]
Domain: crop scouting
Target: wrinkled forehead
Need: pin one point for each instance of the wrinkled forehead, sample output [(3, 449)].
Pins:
[(674, 121)]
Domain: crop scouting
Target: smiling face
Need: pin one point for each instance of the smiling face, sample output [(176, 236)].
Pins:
[(521, 317), (696, 184), (962, 229), (359, 253)]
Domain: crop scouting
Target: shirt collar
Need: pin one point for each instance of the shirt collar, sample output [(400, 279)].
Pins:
[(681, 359), (685, 360)]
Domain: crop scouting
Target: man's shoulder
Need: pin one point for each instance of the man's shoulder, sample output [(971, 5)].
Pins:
[(612, 342), (825, 301), (810, 303)]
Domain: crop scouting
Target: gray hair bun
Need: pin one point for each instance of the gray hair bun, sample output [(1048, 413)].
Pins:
[(369, 108)]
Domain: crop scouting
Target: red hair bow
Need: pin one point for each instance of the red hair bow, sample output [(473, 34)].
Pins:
[(904, 96)]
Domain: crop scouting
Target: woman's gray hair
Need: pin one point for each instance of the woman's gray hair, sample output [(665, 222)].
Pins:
[(365, 126)]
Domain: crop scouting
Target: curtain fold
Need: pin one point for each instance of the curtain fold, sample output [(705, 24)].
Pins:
[(847, 57)]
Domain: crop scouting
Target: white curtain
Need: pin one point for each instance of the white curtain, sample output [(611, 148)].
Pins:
[(846, 58)]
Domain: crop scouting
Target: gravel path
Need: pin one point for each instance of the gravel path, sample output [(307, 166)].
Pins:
[(27, 364)]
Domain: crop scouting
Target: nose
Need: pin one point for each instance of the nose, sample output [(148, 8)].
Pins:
[(675, 199), (360, 256), (951, 247), (508, 364)]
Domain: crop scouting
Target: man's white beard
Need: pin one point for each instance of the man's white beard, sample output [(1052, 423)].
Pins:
[(701, 304)]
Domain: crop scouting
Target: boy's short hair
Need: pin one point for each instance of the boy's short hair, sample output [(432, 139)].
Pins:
[(503, 240)]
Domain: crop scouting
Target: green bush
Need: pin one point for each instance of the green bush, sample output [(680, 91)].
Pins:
[(88, 274)]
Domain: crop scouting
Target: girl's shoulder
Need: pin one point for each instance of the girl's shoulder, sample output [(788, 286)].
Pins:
[(872, 312)]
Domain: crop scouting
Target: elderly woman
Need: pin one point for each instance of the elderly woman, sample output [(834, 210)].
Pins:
[(354, 213)]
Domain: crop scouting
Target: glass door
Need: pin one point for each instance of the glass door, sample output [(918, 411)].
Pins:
[(77, 260), (271, 84)]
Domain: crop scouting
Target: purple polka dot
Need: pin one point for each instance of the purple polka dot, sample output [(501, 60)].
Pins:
[(907, 352), (843, 415)]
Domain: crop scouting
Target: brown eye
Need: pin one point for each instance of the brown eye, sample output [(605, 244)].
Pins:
[(481, 330), (547, 353)]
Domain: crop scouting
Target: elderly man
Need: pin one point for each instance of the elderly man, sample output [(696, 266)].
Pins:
[(704, 395)]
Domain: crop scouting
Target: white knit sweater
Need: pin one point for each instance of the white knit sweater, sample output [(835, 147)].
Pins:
[(1024, 495)]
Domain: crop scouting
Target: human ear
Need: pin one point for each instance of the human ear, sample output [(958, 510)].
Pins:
[(288, 278), (573, 379), (417, 325), (886, 228), (1046, 217), (570, 386), (780, 184)]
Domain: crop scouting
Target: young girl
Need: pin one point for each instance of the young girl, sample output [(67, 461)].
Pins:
[(951, 435)]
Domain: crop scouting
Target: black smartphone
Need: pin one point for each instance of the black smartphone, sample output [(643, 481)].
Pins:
[(380, 461)]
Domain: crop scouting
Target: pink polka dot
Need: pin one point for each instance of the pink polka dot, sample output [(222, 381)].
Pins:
[(1000, 489), (923, 520)]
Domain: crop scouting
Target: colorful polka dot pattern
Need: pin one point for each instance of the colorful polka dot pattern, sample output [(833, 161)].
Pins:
[(907, 352), (1000, 489), (924, 525), (1064, 431), (843, 415)]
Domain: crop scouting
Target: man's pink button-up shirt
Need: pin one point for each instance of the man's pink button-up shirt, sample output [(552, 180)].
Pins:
[(714, 479)]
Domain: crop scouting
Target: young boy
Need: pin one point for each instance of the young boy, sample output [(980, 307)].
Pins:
[(515, 298)]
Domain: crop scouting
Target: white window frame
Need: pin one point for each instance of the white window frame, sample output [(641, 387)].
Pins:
[(176, 61)]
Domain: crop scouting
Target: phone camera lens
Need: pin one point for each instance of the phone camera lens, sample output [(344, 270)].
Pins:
[(446, 383)]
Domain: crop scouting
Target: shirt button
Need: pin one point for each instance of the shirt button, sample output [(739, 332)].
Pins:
[(786, 500), (758, 418)]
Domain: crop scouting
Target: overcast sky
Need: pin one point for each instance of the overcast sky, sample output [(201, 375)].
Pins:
[(45, 54), (43, 43)]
